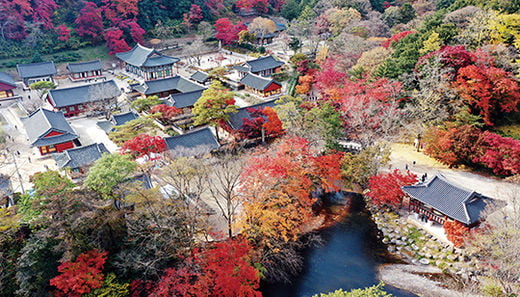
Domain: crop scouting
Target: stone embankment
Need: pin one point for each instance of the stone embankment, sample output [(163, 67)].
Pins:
[(422, 251)]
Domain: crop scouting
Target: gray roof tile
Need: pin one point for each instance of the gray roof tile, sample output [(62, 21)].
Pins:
[(263, 63), (80, 94), (7, 79), (36, 69), (202, 138), (237, 119), (188, 99), (122, 118), (455, 202), (84, 66), (41, 122), (178, 83), (257, 82), (80, 156), (200, 77), (143, 56)]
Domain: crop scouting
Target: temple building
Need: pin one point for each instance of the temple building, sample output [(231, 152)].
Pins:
[(261, 86), (438, 200), (78, 160), (148, 63), (167, 86), (35, 72), (86, 98), (85, 70), (49, 131), (263, 66)]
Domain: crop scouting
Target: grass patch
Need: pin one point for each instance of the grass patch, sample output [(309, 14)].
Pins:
[(509, 131), (416, 236)]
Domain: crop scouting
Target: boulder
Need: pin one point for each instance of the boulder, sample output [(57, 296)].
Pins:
[(424, 261)]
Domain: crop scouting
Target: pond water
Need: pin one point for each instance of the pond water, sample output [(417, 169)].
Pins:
[(347, 260)]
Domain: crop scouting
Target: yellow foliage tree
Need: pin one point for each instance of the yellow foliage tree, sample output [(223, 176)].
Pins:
[(431, 44)]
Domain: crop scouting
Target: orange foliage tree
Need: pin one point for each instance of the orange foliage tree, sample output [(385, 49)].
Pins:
[(277, 186), (456, 232)]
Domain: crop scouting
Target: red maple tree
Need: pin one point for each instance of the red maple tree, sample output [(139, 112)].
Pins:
[(221, 270), (193, 16), (215, 6), (456, 232), (261, 6), (63, 32), (489, 91), (89, 22), (227, 32), (81, 276), (454, 57), (265, 119), (44, 11), (385, 188), (501, 154), (395, 38), (115, 41), (167, 112), (144, 145)]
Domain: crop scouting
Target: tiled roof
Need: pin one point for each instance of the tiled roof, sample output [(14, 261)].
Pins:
[(43, 121), (36, 69), (122, 118), (460, 204), (7, 79), (188, 99), (80, 156), (81, 94), (178, 83), (263, 63), (200, 77), (198, 139), (84, 66), (5, 185), (237, 119), (143, 56), (257, 82)]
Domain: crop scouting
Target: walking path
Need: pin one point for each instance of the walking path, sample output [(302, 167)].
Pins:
[(403, 156)]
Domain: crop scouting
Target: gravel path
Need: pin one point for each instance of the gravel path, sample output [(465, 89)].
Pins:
[(405, 277)]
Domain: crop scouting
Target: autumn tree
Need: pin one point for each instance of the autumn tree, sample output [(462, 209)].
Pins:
[(214, 106), (144, 104), (264, 122), (82, 275), (227, 32), (262, 26), (167, 113), (385, 188), (260, 6), (115, 41), (223, 269), (130, 129), (489, 91), (144, 145), (283, 178), (456, 232), (194, 16), (44, 11), (108, 172), (225, 181), (374, 291), (89, 22), (357, 168), (63, 32), (500, 154)]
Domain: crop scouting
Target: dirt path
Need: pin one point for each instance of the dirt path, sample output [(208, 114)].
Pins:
[(403, 156)]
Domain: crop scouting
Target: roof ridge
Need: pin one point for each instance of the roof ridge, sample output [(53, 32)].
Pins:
[(38, 63)]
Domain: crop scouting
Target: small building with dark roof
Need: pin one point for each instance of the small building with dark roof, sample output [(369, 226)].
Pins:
[(184, 100), (35, 72), (263, 66), (49, 131), (167, 86), (236, 120), (195, 142), (263, 39), (85, 70), (200, 77), (439, 200), (79, 99), (79, 159), (147, 63), (7, 87), (117, 120), (261, 86)]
